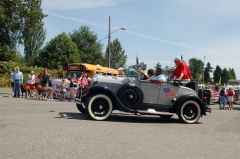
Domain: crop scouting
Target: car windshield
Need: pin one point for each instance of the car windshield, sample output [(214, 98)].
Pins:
[(133, 70)]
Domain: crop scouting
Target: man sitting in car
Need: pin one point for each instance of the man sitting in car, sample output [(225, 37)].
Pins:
[(159, 77)]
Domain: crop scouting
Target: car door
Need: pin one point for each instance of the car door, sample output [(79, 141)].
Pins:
[(150, 91), (167, 93)]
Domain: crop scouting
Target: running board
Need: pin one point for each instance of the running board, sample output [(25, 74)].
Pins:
[(154, 112)]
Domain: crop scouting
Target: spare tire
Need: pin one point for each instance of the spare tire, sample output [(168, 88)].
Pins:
[(131, 96)]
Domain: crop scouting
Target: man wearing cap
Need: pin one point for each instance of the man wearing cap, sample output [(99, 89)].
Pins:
[(222, 94), (31, 81), (159, 77), (181, 72)]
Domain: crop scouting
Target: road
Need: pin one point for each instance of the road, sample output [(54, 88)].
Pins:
[(55, 130)]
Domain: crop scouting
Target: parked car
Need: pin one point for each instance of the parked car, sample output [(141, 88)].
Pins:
[(133, 95)]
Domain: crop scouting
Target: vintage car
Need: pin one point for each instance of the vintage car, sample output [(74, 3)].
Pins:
[(134, 95)]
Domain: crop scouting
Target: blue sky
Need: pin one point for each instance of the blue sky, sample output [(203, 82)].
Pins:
[(156, 30)]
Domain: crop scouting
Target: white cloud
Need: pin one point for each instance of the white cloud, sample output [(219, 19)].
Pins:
[(77, 4)]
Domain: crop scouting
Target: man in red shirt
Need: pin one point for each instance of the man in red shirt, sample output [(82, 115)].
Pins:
[(181, 72)]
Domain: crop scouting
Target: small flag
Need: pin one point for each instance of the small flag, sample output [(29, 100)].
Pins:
[(137, 63), (84, 81)]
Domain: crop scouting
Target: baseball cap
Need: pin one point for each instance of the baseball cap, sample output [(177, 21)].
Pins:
[(160, 69), (177, 59), (32, 72)]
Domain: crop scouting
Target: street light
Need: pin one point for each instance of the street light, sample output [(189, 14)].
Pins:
[(109, 39)]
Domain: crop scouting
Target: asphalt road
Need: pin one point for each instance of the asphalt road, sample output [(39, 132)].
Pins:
[(32, 129)]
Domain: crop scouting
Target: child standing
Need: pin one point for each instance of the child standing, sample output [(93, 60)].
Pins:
[(31, 81), (63, 90)]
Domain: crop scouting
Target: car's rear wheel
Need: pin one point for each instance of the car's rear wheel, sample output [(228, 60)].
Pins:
[(189, 112), (81, 108), (166, 116), (99, 106)]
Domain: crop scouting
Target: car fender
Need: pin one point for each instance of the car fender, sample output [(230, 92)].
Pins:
[(113, 96), (182, 99)]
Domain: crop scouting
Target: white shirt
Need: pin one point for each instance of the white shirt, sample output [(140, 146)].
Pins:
[(32, 79)]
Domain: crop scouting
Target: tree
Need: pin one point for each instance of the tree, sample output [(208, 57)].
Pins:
[(9, 28), (217, 73), (57, 53), (196, 68), (225, 76), (117, 57), (157, 65), (232, 72), (14, 15), (90, 49), (207, 71), (33, 33)]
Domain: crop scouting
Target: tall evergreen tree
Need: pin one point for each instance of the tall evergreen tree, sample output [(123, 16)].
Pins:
[(232, 72), (217, 73), (117, 57), (225, 76), (207, 71), (90, 49)]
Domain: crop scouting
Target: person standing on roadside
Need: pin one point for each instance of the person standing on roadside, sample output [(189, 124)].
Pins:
[(63, 90), (45, 77), (231, 95), (31, 81), (44, 81), (222, 94), (18, 79), (12, 81), (73, 86)]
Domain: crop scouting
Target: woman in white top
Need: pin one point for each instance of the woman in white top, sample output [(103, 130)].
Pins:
[(31, 81)]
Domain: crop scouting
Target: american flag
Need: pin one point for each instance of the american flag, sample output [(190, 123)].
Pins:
[(215, 94), (84, 81)]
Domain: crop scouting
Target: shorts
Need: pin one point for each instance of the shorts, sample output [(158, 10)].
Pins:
[(44, 84), (230, 98), (62, 91), (12, 84), (31, 85)]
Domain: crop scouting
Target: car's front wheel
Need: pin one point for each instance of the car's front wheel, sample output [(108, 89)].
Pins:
[(189, 112), (99, 106), (81, 108)]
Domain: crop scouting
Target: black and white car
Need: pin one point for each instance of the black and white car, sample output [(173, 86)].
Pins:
[(133, 95)]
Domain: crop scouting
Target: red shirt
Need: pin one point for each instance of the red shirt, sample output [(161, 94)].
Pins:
[(182, 68)]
